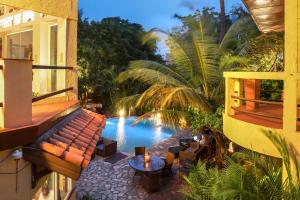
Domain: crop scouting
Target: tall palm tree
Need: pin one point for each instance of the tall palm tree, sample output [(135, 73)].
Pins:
[(195, 79), (222, 20)]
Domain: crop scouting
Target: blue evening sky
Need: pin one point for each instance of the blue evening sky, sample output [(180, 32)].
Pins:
[(149, 13)]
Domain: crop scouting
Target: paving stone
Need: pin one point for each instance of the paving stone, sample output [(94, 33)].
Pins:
[(107, 181)]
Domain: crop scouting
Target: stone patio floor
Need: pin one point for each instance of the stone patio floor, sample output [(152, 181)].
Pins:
[(106, 181)]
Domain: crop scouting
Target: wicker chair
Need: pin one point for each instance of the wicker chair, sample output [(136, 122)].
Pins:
[(140, 150), (167, 170)]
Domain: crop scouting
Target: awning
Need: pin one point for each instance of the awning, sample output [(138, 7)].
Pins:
[(67, 148), (267, 14)]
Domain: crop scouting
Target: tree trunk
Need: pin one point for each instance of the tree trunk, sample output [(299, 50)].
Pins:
[(222, 21)]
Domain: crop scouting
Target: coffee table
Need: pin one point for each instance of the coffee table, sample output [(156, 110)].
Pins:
[(138, 163)]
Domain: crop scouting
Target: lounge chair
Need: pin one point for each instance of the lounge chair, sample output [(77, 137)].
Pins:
[(140, 150), (167, 170)]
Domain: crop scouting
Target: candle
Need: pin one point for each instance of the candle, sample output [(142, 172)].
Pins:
[(147, 157)]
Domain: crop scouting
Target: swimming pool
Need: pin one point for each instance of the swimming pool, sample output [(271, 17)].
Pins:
[(143, 134)]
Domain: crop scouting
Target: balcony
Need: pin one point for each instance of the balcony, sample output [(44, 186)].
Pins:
[(250, 110), (24, 117)]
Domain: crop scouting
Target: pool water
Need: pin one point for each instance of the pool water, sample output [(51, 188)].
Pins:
[(144, 133)]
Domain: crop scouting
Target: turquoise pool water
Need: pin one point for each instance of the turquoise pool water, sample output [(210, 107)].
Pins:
[(143, 134)]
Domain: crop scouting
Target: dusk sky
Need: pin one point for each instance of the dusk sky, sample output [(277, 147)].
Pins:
[(149, 13)]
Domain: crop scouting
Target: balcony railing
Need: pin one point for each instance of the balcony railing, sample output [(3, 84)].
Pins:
[(54, 93), (45, 96), (245, 102), (16, 100), (244, 99)]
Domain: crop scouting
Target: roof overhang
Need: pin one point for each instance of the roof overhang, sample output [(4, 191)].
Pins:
[(267, 14), (67, 148), (67, 9)]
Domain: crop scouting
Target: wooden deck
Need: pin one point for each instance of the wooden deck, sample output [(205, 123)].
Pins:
[(276, 111), (43, 118)]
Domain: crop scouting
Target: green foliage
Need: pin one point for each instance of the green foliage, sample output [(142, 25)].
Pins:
[(214, 120), (194, 79), (87, 197), (104, 50), (271, 90), (248, 175)]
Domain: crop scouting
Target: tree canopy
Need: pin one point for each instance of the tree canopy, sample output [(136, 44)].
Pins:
[(104, 49)]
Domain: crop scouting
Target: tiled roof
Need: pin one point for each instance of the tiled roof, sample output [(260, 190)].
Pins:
[(76, 141)]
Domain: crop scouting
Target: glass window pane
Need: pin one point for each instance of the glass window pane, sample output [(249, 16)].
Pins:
[(20, 45)]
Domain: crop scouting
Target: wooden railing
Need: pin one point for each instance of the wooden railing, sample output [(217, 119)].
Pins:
[(1, 104), (255, 113), (258, 100), (45, 96), (51, 67)]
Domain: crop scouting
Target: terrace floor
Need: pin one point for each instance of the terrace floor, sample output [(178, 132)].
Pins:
[(44, 116), (102, 180), (271, 110), (44, 112)]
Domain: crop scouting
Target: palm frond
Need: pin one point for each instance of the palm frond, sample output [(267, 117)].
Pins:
[(147, 76), (170, 117)]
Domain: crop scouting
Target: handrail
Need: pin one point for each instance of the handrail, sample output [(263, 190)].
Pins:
[(45, 96), (274, 91), (257, 100), (255, 75), (51, 67), (257, 114)]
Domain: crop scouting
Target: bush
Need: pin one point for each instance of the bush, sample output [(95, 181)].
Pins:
[(197, 119)]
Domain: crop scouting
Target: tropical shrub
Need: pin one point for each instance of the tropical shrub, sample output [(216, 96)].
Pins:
[(248, 175), (197, 119)]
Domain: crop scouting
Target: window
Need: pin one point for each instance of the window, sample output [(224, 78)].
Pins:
[(20, 45)]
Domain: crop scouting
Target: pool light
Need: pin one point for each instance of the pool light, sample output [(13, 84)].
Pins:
[(121, 113), (158, 120)]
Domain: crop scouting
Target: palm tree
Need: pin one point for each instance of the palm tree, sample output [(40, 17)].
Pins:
[(195, 79), (222, 20)]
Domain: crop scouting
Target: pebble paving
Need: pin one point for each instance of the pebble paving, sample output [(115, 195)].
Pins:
[(106, 181)]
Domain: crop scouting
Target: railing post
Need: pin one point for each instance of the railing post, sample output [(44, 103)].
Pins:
[(1, 94), (290, 106), (237, 92), (229, 102), (17, 104)]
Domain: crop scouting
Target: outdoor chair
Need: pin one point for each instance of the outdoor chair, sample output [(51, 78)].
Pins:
[(151, 181), (191, 153), (169, 160), (140, 150)]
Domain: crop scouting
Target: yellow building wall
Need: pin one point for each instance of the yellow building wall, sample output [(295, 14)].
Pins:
[(59, 8), (250, 135), (12, 187)]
